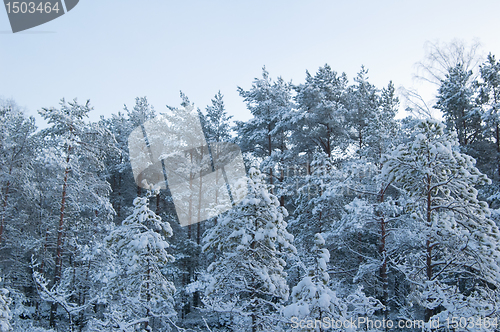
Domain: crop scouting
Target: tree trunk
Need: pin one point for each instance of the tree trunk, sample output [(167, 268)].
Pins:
[(328, 143), (429, 312), (200, 200), (190, 211), (118, 207), (383, 268), (158, 203), (498, 148), (270, 151), (4, 211), (58, 267), (360, 142), (383, 253), (148, 296), (282, 198)]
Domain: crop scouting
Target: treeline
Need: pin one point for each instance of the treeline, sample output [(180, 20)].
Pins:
[(350, 213)]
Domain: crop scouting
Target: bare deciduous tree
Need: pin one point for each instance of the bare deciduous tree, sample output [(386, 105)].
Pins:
[(440, 57)]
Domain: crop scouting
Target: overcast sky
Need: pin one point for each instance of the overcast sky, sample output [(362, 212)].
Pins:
[(111, 51)]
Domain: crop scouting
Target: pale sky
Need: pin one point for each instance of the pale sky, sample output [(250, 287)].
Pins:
[(111, 51)]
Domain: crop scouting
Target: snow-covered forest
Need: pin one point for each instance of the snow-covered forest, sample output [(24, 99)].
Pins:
[(354, 219)]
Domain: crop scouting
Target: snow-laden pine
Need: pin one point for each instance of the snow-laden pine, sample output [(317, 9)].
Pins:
[(137, 288), (266, 136), (5, 313), (313, 299), (248, 279), (454, 268)]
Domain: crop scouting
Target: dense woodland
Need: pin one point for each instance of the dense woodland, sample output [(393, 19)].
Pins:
[(350, 213)]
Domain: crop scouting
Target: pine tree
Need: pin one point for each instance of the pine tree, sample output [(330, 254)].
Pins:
[(217, 126), (367, 237), (118, 168), (382, 126), (322, 106), (249, 278), (16, 149), (313, 300), (363, 106), (18, 195), (456, 101), (5, 313), (74, 153), (141, 113), (363, 232), (269, 102), (488, 152), (319, 200), (490, 97), (137, 288), (458, 249), (217, 129)]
